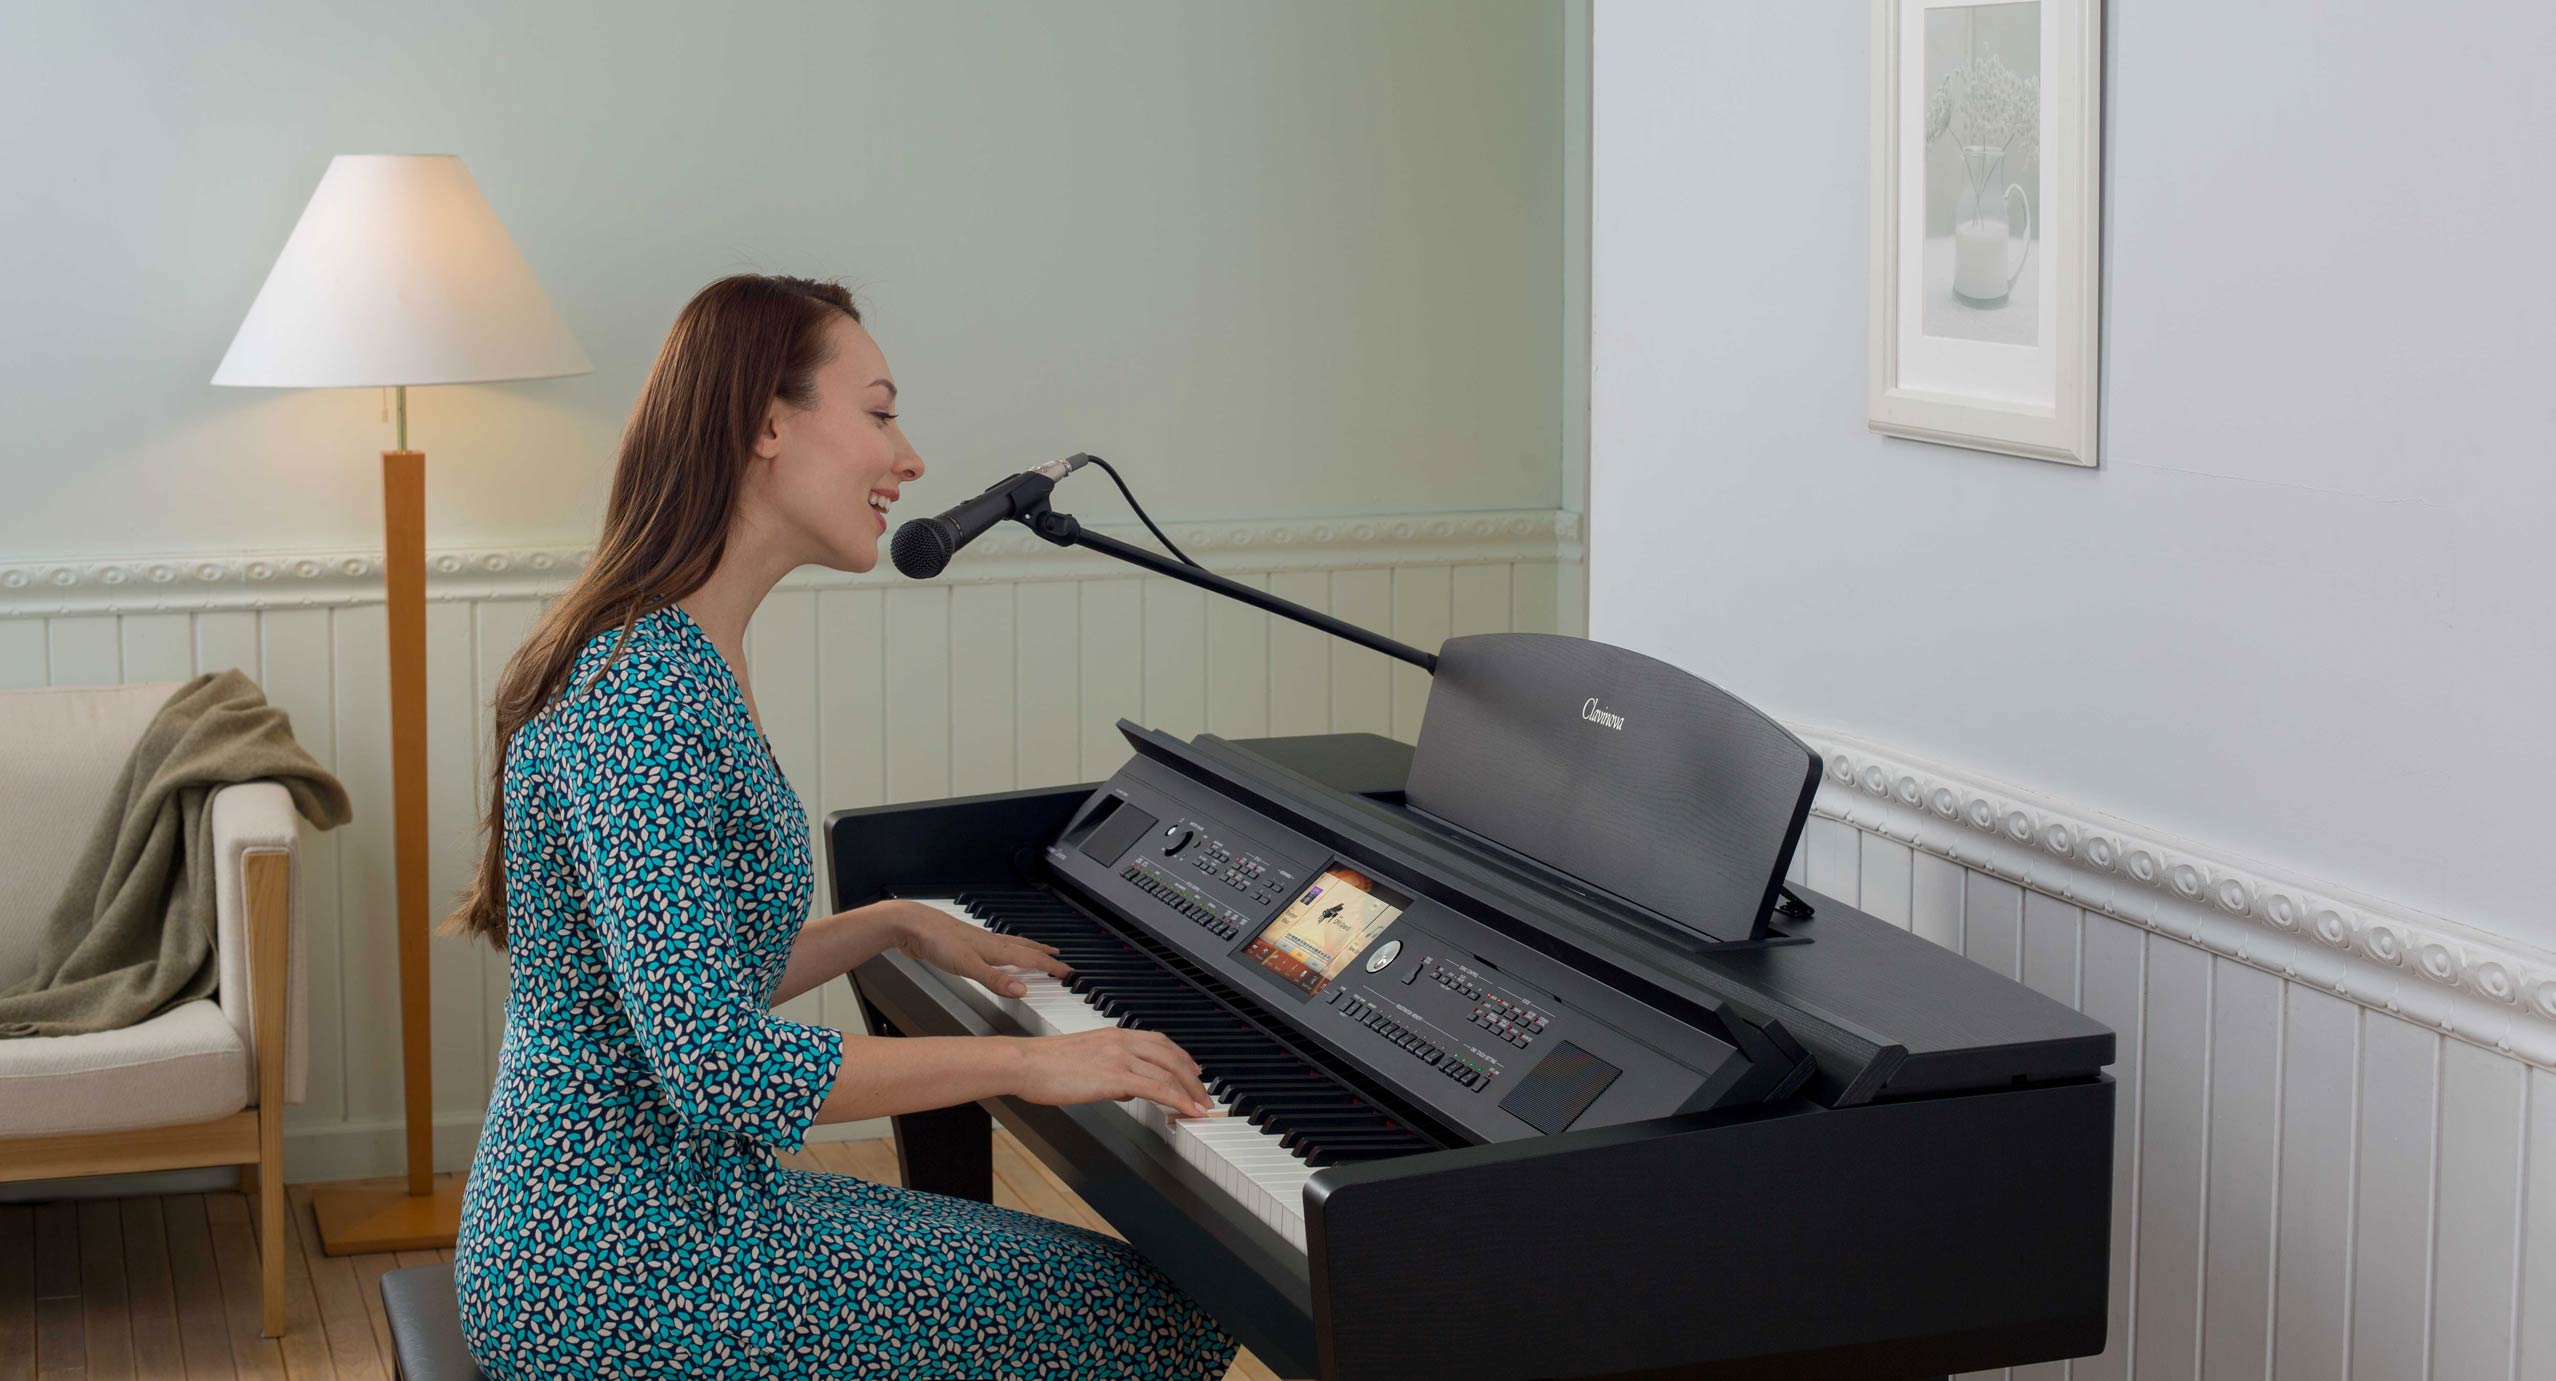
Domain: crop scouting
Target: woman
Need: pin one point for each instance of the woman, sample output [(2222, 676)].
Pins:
[(647, 871)]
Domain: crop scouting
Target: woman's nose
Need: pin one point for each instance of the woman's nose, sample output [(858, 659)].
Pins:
[(911, 466)]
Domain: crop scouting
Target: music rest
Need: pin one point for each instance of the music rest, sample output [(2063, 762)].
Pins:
[(1617, 769)]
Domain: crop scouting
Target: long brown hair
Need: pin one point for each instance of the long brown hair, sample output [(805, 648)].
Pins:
[(739, 344)]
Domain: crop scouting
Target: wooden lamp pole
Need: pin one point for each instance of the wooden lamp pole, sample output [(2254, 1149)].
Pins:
[(421, 1214)]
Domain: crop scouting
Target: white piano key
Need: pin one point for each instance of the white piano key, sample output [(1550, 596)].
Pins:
[(1247, 1163)]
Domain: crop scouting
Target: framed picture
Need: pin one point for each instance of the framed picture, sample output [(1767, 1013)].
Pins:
[(1987, 223)]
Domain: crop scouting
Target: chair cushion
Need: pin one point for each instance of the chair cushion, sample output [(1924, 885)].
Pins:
[(64, 746), (184, 1065), (424, 1315)]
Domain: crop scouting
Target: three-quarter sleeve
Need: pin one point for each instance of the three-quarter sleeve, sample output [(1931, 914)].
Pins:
[(644, 793)]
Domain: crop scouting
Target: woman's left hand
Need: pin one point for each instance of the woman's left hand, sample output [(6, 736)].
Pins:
[(955, 947)]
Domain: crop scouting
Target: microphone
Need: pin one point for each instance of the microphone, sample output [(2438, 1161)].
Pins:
[(922, 548)]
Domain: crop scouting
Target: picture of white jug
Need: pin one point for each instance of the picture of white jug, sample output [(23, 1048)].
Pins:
[(1983, 232)]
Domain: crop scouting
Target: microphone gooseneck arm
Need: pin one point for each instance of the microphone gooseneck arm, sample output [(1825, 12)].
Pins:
[(1064, 531)]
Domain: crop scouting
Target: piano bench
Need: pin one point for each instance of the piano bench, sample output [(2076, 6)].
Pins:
[(425, 1325)]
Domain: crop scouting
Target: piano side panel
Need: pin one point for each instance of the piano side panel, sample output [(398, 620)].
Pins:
[(1634, 1236)]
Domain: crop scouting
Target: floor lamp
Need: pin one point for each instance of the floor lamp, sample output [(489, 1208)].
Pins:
[(398, 273)]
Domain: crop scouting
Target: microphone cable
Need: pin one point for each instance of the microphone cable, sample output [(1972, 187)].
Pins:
[(1140, 512)]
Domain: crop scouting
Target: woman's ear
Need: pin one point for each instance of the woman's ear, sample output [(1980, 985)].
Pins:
[(767, 438)]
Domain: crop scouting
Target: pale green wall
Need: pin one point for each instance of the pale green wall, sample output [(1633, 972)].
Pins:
[(1278, 258)]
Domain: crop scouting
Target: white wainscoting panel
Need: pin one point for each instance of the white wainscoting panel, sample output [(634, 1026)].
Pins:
[(1011, 671), (2335, 1138)]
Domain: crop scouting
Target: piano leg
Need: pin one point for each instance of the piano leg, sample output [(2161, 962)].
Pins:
[(944, 1151)]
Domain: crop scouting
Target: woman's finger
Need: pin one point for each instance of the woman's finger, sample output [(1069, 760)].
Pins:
[(1040, 957), (1183, 1074), (1159, 1088), (996, 980)]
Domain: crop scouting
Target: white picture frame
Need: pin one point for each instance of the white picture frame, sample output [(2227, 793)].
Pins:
[(1973, 100)]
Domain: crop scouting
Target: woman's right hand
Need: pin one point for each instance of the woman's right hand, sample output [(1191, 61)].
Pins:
[(1111, 1064)]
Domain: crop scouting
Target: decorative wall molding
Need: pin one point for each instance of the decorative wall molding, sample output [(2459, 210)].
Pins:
[(329, 579), (2486, 990)]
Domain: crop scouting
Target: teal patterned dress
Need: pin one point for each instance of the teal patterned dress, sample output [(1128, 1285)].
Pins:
[(624, 1215)]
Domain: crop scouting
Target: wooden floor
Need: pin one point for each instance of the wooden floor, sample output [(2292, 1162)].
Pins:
[(166, 1287)]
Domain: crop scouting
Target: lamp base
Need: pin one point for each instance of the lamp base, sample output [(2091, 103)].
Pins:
[(385, 1217)]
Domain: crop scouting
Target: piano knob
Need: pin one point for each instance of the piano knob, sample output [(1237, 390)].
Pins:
[(1180, 840)]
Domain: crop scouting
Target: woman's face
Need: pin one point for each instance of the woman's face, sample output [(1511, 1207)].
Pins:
[(821, 478)]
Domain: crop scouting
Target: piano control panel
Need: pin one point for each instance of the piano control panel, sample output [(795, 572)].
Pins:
[(1232, 868), (1488, 1034)]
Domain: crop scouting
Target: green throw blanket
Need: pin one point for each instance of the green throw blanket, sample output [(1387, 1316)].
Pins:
[(132, 935)]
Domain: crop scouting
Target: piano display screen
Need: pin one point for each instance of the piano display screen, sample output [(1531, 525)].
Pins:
[(1325, 928)]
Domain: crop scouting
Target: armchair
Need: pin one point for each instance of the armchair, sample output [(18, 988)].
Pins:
[(204, 1083)]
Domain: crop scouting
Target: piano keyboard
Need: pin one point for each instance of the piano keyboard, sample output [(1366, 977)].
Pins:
[(1278, 1119)]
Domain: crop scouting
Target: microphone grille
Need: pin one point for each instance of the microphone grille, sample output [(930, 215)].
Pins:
[(922, 548)]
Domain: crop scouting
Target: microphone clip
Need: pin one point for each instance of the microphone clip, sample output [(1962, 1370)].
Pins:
[(1059, 528)]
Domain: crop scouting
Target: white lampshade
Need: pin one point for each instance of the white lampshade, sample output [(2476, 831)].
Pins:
[(399, 273)]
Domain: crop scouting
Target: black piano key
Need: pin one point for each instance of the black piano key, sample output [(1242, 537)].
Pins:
[(1228, 1078), (1315, 1115), (1303, 1111), (1337, 1144)]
